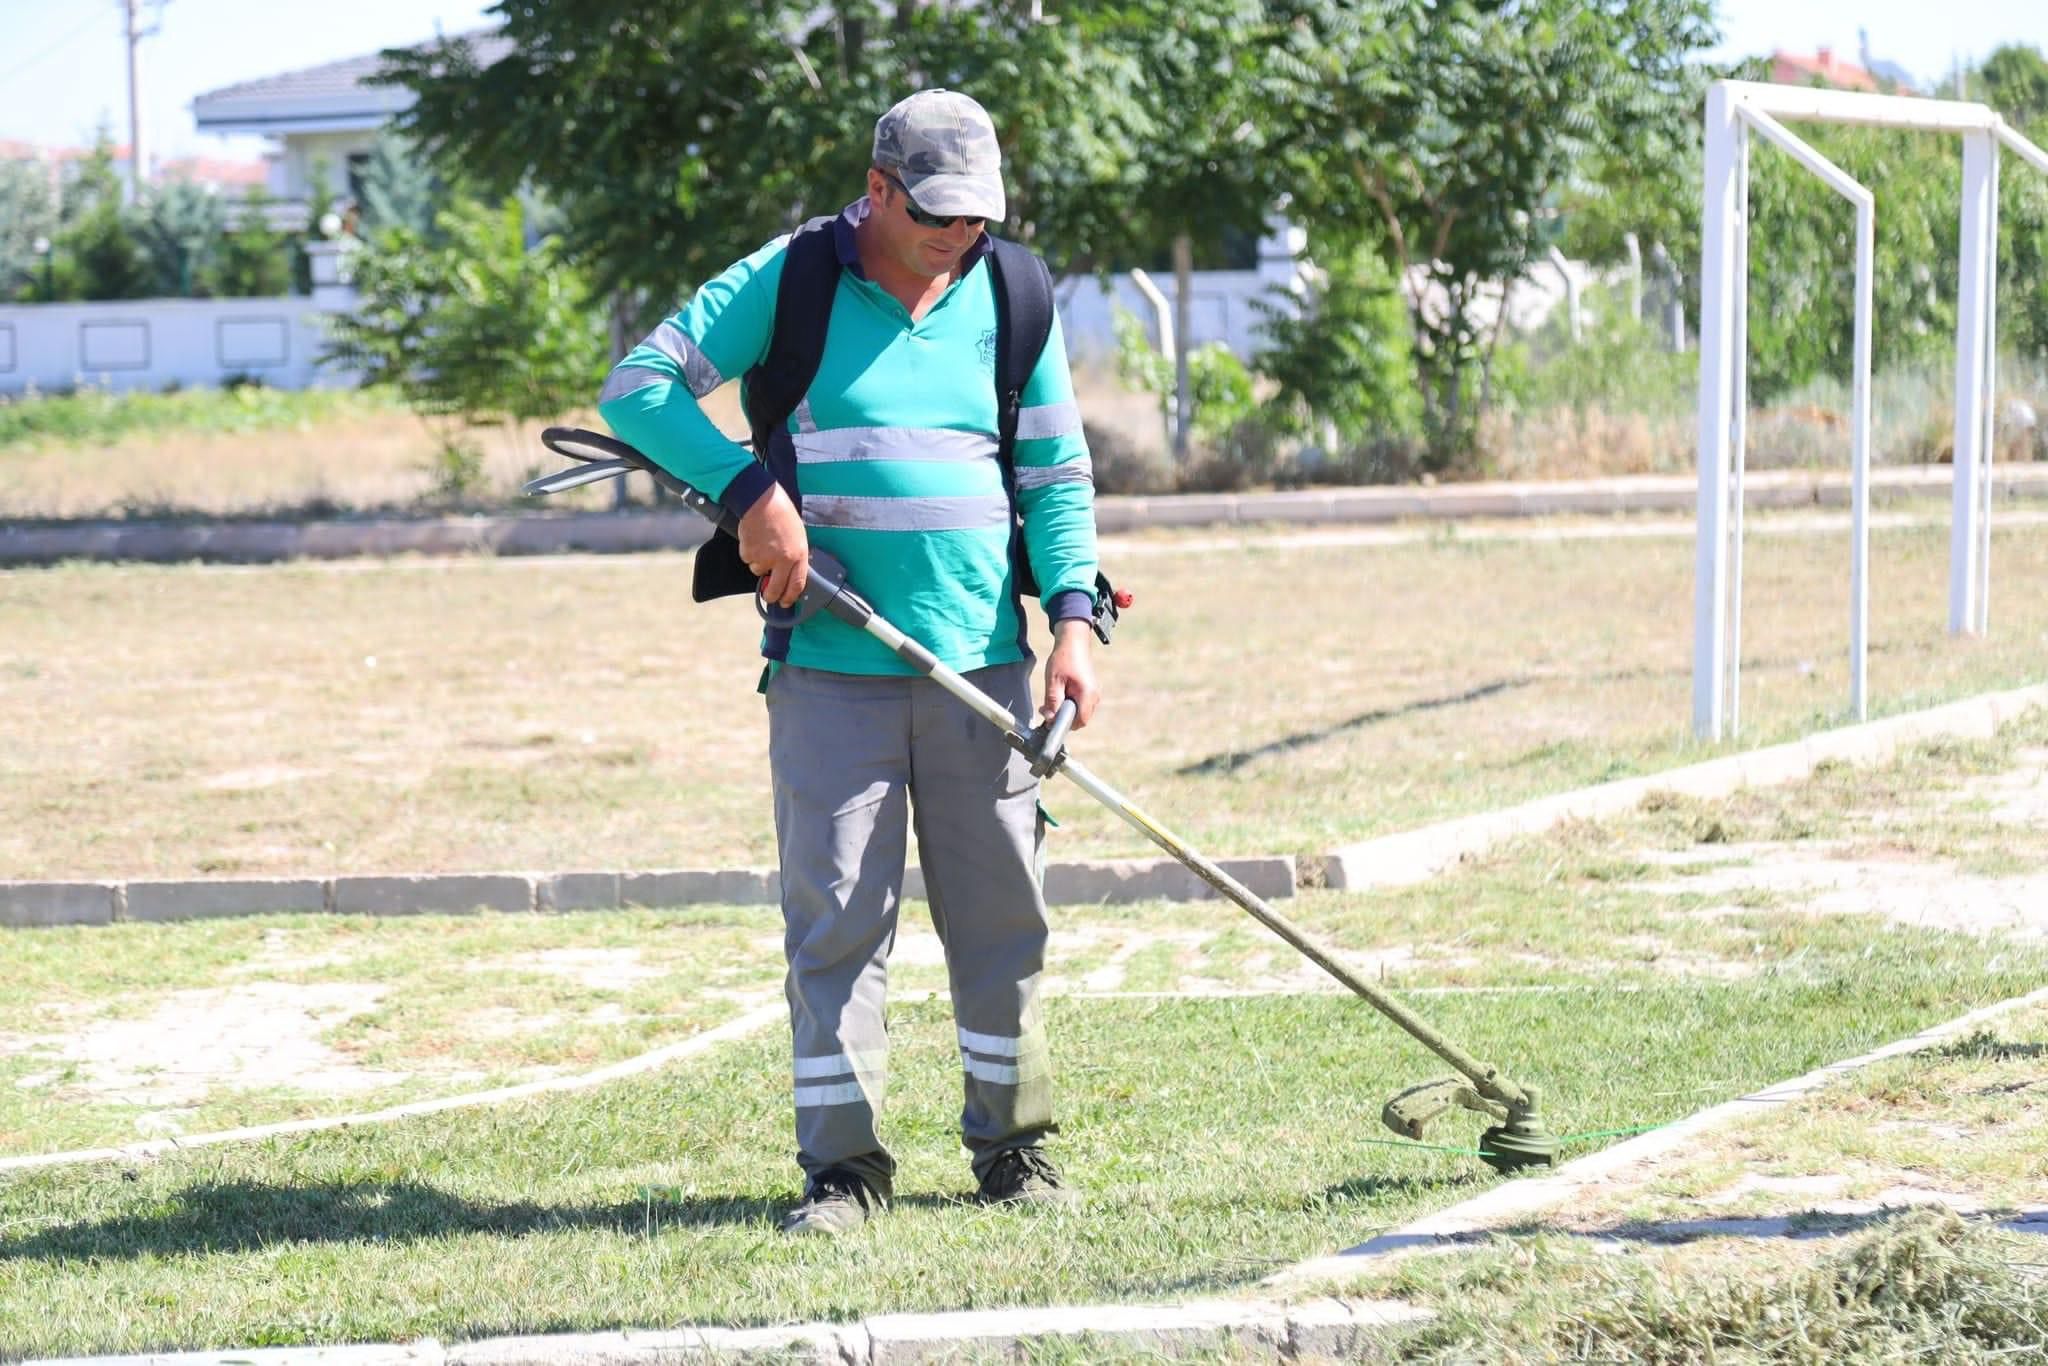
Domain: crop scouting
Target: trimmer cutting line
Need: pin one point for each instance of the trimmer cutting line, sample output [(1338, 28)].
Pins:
[(1518, 1138)]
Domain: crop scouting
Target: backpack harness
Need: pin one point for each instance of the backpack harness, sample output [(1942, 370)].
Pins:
[(796, 346)]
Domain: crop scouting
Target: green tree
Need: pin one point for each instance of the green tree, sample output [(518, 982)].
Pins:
[(1445, 138), (1440, 133), (2014, 81), (1342, 362), (399, 190), (93, 184), (180, 228), (100, 255), (668, 170), (473, 331), (105, 257), (28, 211), (254, 260)]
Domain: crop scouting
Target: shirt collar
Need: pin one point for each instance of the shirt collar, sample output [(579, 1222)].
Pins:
[(854, 214)]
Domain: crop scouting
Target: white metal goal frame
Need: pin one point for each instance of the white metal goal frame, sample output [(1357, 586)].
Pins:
[(1735, 109)]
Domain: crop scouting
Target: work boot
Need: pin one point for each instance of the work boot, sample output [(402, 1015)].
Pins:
[(1023, 1176), (835, 1202)]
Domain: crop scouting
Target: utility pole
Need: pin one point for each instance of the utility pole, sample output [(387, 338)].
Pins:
[(138, 152)]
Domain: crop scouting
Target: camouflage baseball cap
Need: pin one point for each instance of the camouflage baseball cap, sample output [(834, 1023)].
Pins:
[(942, 146)]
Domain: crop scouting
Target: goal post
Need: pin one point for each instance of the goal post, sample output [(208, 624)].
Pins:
[(1735, 110)]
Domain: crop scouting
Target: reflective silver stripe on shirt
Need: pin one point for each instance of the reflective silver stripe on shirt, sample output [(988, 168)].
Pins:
[(627, 378), (971, 513), (893, 443), (698, 371), (804, 421), (1080, 471), (1048, 419)]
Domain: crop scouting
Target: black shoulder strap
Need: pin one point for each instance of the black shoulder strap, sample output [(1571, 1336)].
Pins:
[(1023, 289), (803, 311), (773, 388)]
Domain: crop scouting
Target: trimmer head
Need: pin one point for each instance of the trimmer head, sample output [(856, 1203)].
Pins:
[(1518, 1141), (1507, 1148)]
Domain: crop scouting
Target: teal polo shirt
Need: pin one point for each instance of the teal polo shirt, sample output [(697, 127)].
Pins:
[(895, 456)]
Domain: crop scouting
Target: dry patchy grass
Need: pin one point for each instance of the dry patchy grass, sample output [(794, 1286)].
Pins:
[(580, 712), (373, 461)]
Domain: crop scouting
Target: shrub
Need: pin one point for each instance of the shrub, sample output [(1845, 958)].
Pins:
[(1344, 366), (478, 330)]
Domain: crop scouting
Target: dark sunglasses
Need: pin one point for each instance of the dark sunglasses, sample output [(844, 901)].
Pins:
[(928, 220)]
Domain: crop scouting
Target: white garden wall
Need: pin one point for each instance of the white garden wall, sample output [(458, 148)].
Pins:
[(155, 343)]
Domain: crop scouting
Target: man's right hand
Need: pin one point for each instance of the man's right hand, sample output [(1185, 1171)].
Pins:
[(774, 545)]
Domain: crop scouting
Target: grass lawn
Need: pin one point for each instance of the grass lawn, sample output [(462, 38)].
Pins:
[(651, 1202), (579, 712)]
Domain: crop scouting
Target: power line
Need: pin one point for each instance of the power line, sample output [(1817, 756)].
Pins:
[(52, 49)]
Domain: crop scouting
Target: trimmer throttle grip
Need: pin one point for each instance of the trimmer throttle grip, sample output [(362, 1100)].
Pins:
[(1049, 749)]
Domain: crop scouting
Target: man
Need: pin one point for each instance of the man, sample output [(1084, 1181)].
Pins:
[(893, 457)]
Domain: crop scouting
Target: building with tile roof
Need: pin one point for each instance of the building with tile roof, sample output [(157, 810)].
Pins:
[(1824, 68), (325, 119)]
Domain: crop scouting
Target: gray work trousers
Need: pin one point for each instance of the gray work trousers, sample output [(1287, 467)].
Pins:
[(851, 757)]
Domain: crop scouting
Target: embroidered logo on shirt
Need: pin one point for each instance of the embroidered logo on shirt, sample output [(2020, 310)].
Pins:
[(988, 347)]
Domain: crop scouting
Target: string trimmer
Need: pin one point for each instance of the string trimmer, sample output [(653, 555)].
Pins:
[(1516, 1140)]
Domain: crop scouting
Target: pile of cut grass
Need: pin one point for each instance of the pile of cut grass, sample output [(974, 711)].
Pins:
[(1920, 1285)]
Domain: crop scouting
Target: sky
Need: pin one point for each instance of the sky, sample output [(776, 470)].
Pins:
[(63, 63)]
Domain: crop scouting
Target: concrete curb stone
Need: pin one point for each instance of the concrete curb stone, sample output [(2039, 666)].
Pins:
[(209, 897), (454, 893), (689, 886), (424, 1353), (578, 892), (1080, 882), (26, 905), (1087, 881)]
